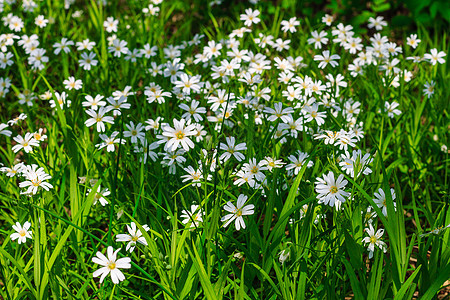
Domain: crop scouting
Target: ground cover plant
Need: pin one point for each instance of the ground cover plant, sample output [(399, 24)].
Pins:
[(188, 150)]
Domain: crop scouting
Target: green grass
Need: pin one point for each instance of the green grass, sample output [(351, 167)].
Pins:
[(327, 258)]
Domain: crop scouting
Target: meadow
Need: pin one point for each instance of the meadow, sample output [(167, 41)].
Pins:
[(222, 150)]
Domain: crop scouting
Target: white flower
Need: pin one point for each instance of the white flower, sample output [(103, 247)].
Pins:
[(40, 21), (109, 142), (195, 175), (188, 83), (87, 60), (279, 112), (100, 195), (16, 119), (255, 169), (5, 60), (178, 135), (297, 162), (237, 212), (378, 23), (110, 24), (61, 100), (435, 231), (63, 46), (434, 57), (327, 19), (356, 162), (118, 48), (244, 177), (391, 109), (250, 17), (326, 59), (429, 88), (374, 239), (14, 170), (232, 149), (413, 41), (290, 25), (134, 235), (86, 44), (22, 232), (94, 103), (99, 118), (346, 139), (192, 217), (312, 113), (36, 178), (25, 143), (71, 83), (111, 265), (193, 111), (284, 255), (149, 51), (330, 137), (281, 45), (38, 136), (318, 39), (369, 215), (5, 131), (380, 200), (146, 151), (117, 104), (330, 190), (135, 132), (272, 163)]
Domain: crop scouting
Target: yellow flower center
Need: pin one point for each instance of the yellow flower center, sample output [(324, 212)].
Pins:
[(179, 135), (333, 189), (373, 239), (111, 265), (22, 233)]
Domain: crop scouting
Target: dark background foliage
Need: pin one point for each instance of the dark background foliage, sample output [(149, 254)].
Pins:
[(406, 15)]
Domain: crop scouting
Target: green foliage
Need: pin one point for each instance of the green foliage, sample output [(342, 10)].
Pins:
[(292, 246)]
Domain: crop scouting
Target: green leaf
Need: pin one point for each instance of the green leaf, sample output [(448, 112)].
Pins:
[(24, 276), (444, 275), (401, 293), (353, 280), (267, 277), (204, 280)]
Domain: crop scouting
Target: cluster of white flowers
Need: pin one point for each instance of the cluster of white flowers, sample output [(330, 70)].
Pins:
[(190, 82), (33, 175)]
